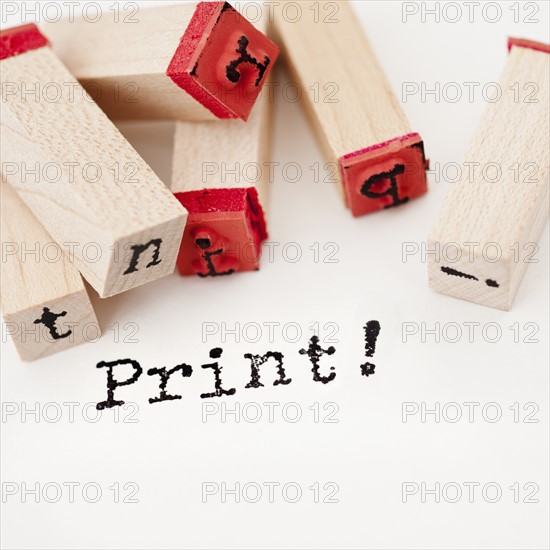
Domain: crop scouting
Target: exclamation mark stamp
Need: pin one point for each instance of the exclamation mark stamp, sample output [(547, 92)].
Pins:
[(372, 330)]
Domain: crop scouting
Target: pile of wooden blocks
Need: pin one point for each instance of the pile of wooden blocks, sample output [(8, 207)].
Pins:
[(74, 187)]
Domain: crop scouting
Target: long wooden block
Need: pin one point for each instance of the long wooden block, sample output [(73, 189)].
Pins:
[(44, 303), (221, 175), (191, 61), (354, 112), (491, 218), (83, 181)]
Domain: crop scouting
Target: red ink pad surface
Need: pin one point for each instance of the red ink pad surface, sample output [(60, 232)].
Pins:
[(384, 175), (222, 60), (224, 232), (18, 40)]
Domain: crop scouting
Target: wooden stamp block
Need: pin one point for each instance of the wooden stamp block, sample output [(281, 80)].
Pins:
[(224, 234), (388, 174), (191, 61), (487, 229), (220, 175), (361, 126), (44, 303), (82, 180)]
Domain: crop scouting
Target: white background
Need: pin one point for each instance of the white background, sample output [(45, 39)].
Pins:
[(169, 451)]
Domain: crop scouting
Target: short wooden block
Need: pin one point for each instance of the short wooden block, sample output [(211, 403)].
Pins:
[(83, 181), (361, 124), (45, 306), (485, 232), (138, 70), (221, 176)]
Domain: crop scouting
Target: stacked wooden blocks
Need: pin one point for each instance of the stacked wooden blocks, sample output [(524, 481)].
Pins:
[(203, 66)]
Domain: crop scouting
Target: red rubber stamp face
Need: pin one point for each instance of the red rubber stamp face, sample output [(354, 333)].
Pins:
[(530, 44), (224, 232), (18, 40), (385, 175), (223, 60)]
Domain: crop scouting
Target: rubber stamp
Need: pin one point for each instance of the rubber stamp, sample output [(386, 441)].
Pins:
[(82, 180), (487, 230), (358, 119), (221, 176), (190, 61), (45, 305)]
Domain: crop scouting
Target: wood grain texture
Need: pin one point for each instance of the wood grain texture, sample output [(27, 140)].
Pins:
[(83, 181), (36, 274), (144, 65), (225, 154), (346, 93), (501, 205), (222, 156), (123, 64)]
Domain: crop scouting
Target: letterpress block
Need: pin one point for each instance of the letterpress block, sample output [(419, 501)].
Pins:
[(220, 175), (491, 218), (191, 61), (354, 112), (45, 306), (82, 180)]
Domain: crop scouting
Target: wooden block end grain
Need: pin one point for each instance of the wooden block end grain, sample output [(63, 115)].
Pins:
[(192, 61), (487, 230), (45, 305), (75, 171)]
